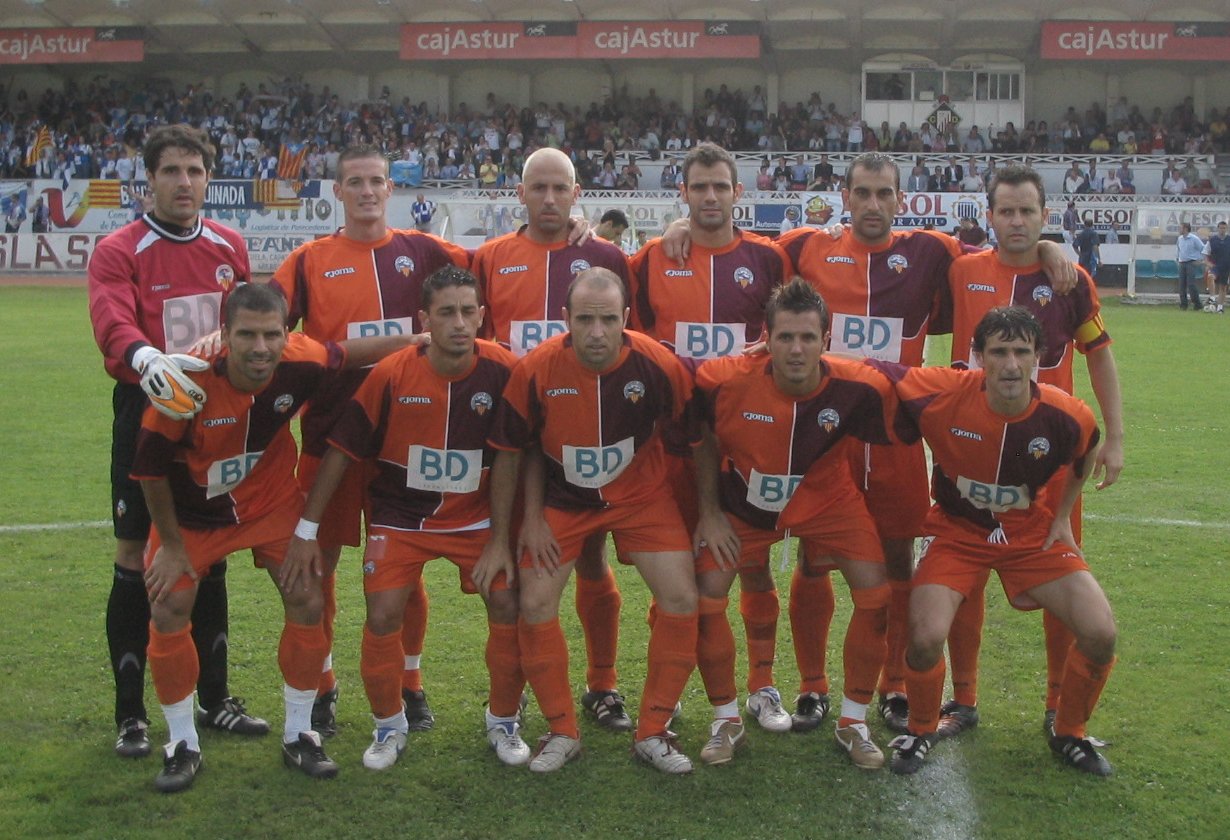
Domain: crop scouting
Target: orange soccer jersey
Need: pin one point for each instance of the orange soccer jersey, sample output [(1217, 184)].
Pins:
[(340, 288), (235, 461), (979, 282), (884, 300), (600, 432), (525, 284), (714, 305), (773, 444), (991, 472), (427, 434)]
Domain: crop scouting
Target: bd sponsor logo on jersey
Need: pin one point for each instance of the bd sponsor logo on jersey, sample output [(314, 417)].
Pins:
[(578, 266), (980, 287), (829, 419), (404, 264), (225, 475), (744, 277), (283, 403), (444, 470), (1043, 295), (837, 258), (1039, 448), (634, 390), (594, 467), (338, 272), (996, 498), (771, 492), (898, 263), (225, 275), (481, 403), (513, 269)]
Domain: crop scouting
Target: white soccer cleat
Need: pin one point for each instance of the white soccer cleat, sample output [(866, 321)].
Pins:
[(505, 738), (662, 753), (386, 747), (554, 751), (766, 706)]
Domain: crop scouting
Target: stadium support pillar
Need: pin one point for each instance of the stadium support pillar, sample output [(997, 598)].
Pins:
[(444, 100), (1200, 95), (772, 91), (687, 92), (525, 91)]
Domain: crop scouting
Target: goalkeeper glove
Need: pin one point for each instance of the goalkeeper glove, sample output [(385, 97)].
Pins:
[(164, 379)]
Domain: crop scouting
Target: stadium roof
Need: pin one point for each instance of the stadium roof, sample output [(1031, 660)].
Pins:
[(194, 34)]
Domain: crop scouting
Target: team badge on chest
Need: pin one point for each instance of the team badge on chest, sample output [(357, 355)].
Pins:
[(404, 264), (744, 277), (829, 419), (634, 390), (1043, 295), (1039, 447), (481, 403)]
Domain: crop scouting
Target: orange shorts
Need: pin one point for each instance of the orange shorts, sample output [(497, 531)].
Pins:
[(649, 526), (961, 561), (342, 522), (846, 531), (894, 482), (394, 559), (681, 478), (268, 537)]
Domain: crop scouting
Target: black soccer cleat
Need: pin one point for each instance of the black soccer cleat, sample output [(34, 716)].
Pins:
[(418, 713), (810, 710), (1079, 753), (324, 714), (956, 718), (895, 710), (179, 769), (231, 716), (607, 707), (133, 739), (306, 755), (910, 752)]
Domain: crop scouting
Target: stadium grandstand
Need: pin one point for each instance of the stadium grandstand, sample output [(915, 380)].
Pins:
[(1122, 107)]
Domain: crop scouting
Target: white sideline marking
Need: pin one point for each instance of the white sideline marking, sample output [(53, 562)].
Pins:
[(1153, 520), (52, 526), (943, 806)]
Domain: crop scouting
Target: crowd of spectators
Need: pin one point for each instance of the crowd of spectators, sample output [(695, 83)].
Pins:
[(96, 130)]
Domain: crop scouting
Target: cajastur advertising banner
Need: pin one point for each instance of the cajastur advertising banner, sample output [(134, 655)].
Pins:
[(72, 46), (607, 40), (1082, 40)]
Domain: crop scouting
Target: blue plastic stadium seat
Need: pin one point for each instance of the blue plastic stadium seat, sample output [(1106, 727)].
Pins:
[(1145, 269), (1167, 270)]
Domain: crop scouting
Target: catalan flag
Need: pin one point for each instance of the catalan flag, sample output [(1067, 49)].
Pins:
[(290, 160), (267, 192), (104, 195), (41, 141)]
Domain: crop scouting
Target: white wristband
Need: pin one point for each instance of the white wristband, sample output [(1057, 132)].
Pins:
[(306, 530)]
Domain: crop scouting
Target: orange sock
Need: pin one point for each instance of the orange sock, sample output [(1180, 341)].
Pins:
[(380, 665), (598, 603), (173, 664), (964, 642), (413, 631), (715, 651), (926, 690), (760, 611), (1083, 681), (326, 679), (1059, 640), (544, 659), (301, 653), (504, 669), (672, 658), (811, 612), (863, 653), (892, 678)]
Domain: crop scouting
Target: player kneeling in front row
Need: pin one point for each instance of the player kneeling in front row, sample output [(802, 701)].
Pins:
[(997, 438), (769, 465), (594, 400), (225, 481), (423, 416)]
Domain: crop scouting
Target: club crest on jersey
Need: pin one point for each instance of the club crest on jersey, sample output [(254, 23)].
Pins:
[(578, 266), (1043, 295), (898, 263), (225, 275), (1039, 447), (481, 403), (404, 264), (634, 390), (283, 403), (744, 277), (829, 419)]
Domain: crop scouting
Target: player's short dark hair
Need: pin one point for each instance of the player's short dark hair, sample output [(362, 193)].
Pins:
[(180, 136), (874, 162), (1013, 175), (601, 277), (359, 151), (616, 217), (796, 296), (254, 297), (709, 154), (1008, 323), (447, 277)]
